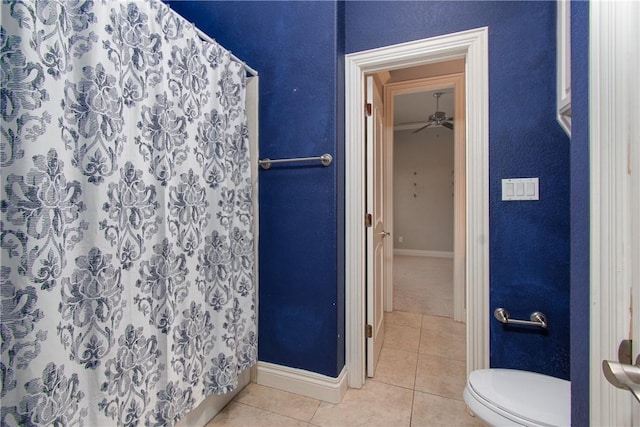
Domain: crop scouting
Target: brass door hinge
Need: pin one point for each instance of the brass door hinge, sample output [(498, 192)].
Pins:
[(368, 108), (368, 220), (369, 331)]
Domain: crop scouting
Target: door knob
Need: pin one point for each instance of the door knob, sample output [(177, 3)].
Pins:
[(623, 376), (385, 233)]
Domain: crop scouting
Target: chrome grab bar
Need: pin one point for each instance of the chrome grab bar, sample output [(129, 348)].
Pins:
[(537, 318), (325, 159)]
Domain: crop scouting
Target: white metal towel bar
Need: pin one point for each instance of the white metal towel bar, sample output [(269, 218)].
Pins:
[(325, 159)]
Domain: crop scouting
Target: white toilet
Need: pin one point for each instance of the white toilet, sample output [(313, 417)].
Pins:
[(508, 397)]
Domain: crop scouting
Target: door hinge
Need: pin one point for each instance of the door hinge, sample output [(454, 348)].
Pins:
[(369, 331), (368, 108), (368, 220)]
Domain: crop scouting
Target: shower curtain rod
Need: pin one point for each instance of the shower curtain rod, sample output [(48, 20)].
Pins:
[(205, 37)]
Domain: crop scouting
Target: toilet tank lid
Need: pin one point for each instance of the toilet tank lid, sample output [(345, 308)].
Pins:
[(539, 398)]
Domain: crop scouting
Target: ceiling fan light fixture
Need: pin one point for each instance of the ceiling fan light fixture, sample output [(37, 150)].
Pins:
[(438, 118)]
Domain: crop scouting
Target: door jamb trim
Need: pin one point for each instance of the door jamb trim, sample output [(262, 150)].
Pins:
[(473, 46)]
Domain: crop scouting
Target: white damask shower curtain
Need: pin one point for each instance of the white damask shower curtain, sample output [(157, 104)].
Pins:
[(126, 228)]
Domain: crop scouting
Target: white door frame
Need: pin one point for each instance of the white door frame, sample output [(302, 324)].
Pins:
[(453, 81), (471, 45), (613, 134)]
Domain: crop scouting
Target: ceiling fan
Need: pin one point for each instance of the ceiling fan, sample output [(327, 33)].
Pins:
[(438, 118)]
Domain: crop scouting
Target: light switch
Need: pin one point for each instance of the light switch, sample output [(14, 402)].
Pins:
[(529, 189), (507, 189), (520, 189)]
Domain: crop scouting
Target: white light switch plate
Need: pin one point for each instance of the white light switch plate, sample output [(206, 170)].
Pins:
[(520, 189)]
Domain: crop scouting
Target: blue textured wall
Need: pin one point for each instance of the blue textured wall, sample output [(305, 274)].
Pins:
[(580, 213), (297, 47), (529, 241)]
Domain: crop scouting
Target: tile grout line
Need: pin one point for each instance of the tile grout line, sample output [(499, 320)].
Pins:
[(415, 372), (413, 401), (272, 411), (316, 411)]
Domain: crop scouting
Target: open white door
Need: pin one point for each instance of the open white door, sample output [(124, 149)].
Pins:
[(376, 233), (615, 212)]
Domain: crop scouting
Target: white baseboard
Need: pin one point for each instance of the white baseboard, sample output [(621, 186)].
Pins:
[(302, 382), (416, 252)]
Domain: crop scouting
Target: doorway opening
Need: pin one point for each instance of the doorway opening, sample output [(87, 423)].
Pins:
[(428, 174), (471, 46), (422, 203)]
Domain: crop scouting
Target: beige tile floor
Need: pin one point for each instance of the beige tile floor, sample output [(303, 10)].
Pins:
[(418, 382)]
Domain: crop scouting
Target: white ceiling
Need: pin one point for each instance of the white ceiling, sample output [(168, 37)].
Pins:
[(415, 108)]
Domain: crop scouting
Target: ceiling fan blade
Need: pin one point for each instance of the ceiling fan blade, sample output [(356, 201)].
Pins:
[(423, 127), (448, 125)]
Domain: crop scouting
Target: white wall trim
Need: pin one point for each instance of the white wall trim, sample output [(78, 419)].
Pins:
[(563, 65), (613, 36), (418, 252), (299, 381), (473, 46)]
